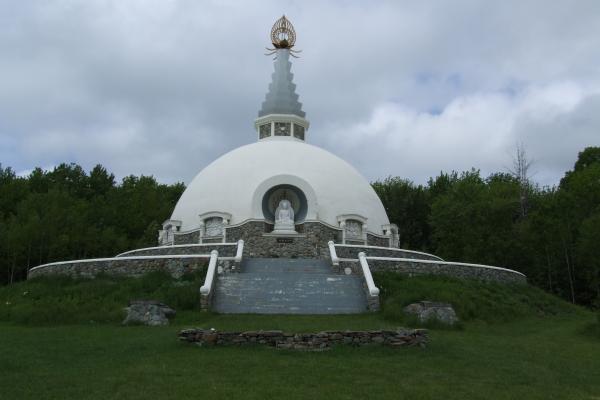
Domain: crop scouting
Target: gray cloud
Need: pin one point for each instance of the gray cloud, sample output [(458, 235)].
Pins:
[(396, 88)]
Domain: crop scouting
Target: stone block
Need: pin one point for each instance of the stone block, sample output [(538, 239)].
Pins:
[(148, 312), (430, 311)]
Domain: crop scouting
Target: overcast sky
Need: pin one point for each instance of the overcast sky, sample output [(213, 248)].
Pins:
[(160, 87)]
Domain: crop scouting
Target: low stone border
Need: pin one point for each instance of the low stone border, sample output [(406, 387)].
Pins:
[(175, 265), (411, 267), (306, 341), (351, 251), (224, 249), (480, 272)]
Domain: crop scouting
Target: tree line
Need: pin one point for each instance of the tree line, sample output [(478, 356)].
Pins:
[(68, 214), (551, 234)]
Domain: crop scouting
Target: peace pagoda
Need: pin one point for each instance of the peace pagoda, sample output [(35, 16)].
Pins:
[(280, 225), (283, 196)]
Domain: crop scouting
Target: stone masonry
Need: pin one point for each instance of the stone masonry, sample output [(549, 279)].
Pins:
[(373, 240), (148, 312), (81, 269), (352, 252), (443, 269), (225, 250), (306, 341), (310, 243), (187, 237)]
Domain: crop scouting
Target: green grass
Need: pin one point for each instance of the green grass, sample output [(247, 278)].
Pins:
[(593, 329), (63, 300), (515, 342), (472, 300), (535, 358)]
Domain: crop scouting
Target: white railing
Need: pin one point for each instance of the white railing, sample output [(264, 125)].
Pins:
[(334, 258), (240, 251), (373, 290), (206, 289)]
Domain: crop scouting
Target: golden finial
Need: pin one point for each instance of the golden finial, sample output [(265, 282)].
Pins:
[(283, 36)]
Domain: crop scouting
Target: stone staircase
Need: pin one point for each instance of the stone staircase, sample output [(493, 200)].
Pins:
[(288, 286)]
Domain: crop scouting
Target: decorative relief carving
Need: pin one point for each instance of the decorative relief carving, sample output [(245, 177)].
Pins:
[(353, 229), (213, 226)]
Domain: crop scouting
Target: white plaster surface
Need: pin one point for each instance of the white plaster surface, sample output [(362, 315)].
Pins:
[(236, 182)]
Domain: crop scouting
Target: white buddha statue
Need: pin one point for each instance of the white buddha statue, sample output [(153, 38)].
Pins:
[(284, 218)]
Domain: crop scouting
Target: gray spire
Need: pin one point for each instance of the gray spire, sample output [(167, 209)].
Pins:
[(281, 97)]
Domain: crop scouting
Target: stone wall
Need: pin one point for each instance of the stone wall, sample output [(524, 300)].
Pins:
[(223, 249), (460, 271), (373, 240), (176, 267), (310, 243), (306, 341), (354, 242), (212, 240), (187, 237), (352, 252)]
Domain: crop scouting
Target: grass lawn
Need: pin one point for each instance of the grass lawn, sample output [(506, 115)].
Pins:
[(548, 350), (536, 358)]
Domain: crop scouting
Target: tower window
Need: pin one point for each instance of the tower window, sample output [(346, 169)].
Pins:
[(283, 129), (264, 131), (299, 131)]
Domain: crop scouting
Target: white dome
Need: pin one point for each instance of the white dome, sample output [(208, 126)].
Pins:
[(237, 182)]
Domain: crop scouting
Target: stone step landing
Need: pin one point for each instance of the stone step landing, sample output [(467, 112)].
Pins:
[(288, 286)]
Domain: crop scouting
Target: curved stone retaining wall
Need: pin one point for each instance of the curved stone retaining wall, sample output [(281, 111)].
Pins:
[(373, 240), (123, 266), (456, 270), (187, 237), (224, 249), (351, 251), (311, 242)]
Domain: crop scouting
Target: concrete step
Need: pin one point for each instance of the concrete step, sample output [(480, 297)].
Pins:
[(288, 286)]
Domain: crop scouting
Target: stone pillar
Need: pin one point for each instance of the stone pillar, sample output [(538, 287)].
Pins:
[(390, 235), (225, 223), (162, 237), (343, 226), (201, 232)]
